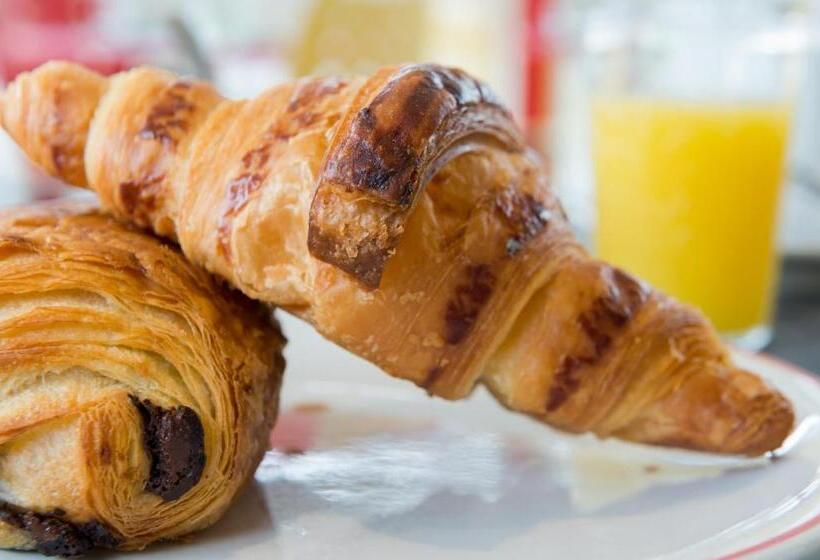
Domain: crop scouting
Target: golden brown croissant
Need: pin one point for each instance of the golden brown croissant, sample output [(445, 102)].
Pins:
[(137, 396), (403, 217)]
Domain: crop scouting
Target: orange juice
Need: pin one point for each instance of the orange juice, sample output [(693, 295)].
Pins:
[(687, 199)]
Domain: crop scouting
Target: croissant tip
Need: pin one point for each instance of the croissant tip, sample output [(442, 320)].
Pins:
[(778, 422)]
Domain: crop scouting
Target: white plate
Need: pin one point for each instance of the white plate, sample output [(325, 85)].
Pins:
[(392, 474)]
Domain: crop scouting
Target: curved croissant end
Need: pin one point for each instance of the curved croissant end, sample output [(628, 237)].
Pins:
[(135, 402), (404, 125), (51, 115)]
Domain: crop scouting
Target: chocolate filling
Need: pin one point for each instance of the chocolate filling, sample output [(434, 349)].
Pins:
[(175, 441), (55, 536)]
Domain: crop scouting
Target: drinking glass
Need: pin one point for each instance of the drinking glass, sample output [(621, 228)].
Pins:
[(691, 111)]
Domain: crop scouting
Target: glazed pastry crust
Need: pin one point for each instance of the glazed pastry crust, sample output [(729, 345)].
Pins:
[(402, 215), (99, 323)]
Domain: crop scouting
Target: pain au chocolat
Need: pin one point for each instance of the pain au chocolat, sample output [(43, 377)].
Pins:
[(136, 395)]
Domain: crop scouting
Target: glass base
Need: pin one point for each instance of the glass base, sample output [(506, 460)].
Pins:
[(753, 339)]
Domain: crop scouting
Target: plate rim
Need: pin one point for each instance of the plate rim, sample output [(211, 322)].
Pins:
[(788, 535)]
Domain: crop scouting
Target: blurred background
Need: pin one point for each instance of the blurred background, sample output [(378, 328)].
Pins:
[(682, 135)]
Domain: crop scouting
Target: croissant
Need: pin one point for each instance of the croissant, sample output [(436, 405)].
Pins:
[(135, 402), (402, 215)]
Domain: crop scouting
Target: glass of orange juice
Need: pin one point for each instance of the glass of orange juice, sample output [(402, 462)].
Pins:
[(691, 112)]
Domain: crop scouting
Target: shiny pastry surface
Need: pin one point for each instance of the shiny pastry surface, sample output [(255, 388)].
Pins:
[(402, 215), (136, 395)]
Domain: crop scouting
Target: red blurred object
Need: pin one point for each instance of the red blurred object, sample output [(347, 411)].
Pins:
[(50, 11), (295, 431), (35, 31), (539, 59)]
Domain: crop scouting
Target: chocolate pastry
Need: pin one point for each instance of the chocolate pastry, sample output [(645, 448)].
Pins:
[(136, 392)]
